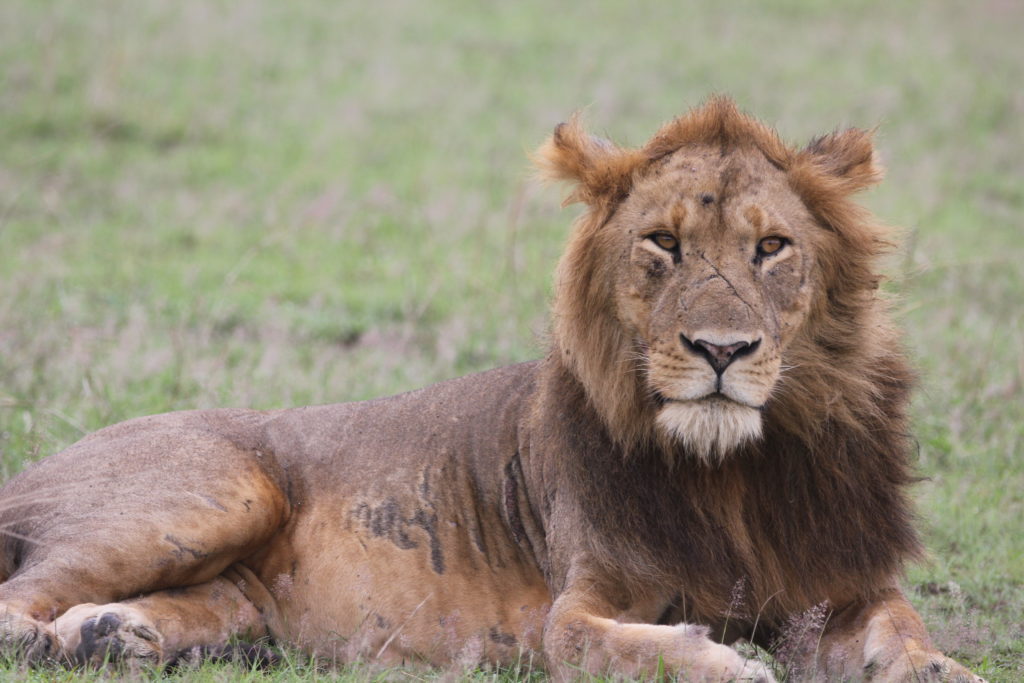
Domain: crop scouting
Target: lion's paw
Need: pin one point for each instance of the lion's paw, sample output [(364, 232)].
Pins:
[(24, 637), (755, 671), (96, 634), (923, 666), (729, 665)]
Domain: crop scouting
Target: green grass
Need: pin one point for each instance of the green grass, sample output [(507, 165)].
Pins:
[(269, 204)]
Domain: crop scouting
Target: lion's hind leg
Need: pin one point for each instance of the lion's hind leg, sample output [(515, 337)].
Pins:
[(152, 510), (160, 626)]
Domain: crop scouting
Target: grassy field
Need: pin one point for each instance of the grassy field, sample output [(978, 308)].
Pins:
[(269, 204)]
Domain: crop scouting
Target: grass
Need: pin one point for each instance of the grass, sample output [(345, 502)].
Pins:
[(268, 204)]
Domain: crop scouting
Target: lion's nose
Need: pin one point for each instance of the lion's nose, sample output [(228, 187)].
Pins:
[(720, 356)]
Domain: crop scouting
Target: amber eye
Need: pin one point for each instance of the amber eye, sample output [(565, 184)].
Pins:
[(665, 241), (770, 245)]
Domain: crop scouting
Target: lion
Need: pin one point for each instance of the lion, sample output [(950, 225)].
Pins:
[(714, 444)]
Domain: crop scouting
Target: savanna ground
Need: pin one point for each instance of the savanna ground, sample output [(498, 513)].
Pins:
[(269, 204)]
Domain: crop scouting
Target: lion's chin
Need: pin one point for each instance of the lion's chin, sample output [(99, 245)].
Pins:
[(710, 428)]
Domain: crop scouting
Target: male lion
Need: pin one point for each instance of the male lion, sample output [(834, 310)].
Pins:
[(715, 444)]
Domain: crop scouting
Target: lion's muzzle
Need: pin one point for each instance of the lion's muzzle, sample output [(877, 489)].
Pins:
[(712, 387)]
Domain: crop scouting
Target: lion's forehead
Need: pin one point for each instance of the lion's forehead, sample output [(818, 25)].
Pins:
[(704, 188)]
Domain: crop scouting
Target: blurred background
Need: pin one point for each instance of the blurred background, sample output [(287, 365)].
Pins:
[(268, 204)]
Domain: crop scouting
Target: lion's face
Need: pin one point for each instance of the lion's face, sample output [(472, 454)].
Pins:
[(707, 261), (713, 279)]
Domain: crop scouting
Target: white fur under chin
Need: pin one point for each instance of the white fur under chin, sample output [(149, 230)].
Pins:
[(711, 428)]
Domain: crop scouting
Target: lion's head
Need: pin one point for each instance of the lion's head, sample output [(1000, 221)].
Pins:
[(718, 279)]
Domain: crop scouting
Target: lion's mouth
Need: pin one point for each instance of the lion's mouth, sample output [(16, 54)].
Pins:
[(714, 396)]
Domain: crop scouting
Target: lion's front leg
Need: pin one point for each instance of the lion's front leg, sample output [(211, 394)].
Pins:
[(882, 640), (585, 631)]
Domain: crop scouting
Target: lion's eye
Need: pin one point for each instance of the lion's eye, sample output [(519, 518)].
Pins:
[(665, 241), (770, 245)]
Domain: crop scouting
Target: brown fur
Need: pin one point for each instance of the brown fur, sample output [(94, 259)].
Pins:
[(716, 442)]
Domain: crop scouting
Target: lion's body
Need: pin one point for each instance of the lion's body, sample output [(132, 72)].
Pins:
[(414, 527), (716, 439)]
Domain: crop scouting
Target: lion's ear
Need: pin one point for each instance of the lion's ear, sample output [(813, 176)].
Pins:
[(600, 170), (848, 156)]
